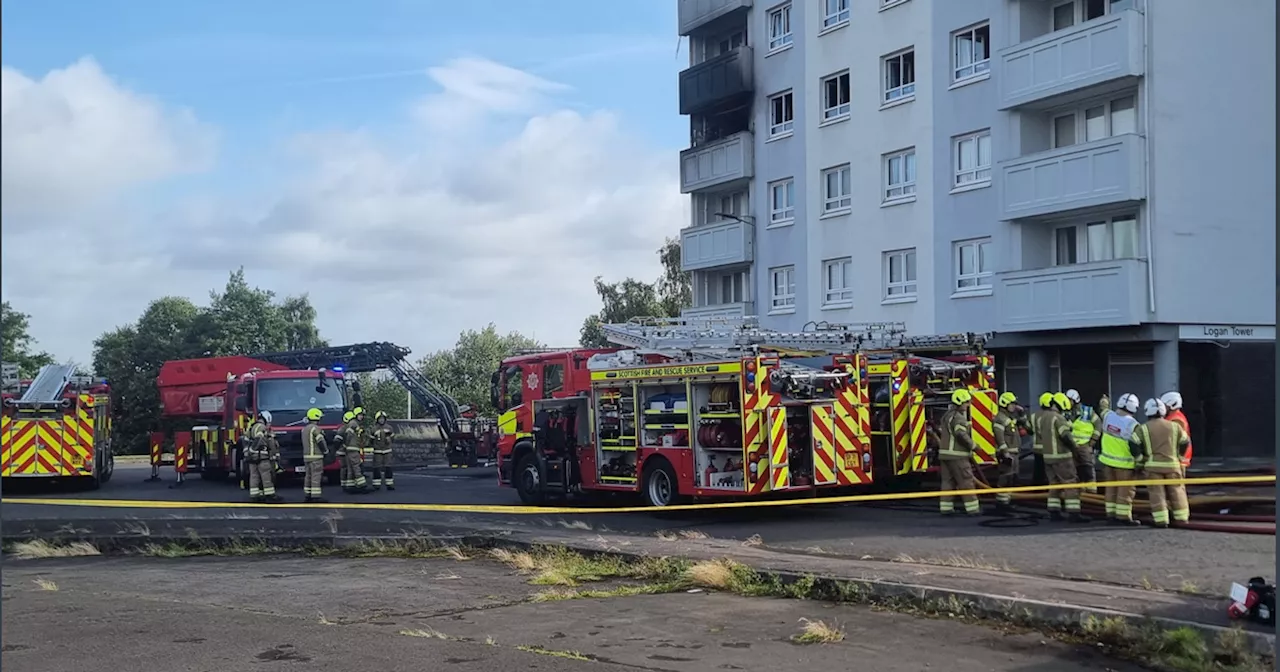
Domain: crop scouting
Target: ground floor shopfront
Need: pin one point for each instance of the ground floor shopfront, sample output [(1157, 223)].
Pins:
[(1226, 375)]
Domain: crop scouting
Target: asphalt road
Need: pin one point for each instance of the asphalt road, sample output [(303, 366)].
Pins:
[(152, 615), (1170, 559)]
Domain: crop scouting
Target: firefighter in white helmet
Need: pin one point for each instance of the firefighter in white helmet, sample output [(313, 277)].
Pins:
[(1173, 402), (1084, 434), (1161, 441), (260, 457), (955, 455), (1120, 446)]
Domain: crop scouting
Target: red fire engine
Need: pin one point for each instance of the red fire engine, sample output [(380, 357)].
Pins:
[(56, 426), (722, 408)]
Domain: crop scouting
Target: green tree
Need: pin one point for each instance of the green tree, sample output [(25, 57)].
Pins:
[(628, 298), (300, 332), (385, 393), (464, 371), (16, 343)]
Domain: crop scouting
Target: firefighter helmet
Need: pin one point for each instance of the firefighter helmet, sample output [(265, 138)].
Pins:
[(1172, 400), (380, 416), (265, 416), (1128, 402), (1062, 401), (1046, 399), (1074, 396), (1008, 398), (357, 411), (314, 414), (1155, 408), (961, 397), (348, 416)]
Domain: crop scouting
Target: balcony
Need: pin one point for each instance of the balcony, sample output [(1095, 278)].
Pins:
[(724, 310), (720, 244), (694, 14), (1093, 58), (1103, 172), (717, 163), (720, 81), (1098, 294)]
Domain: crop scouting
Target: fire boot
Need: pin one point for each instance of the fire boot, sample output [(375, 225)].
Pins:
[(1077, 517)]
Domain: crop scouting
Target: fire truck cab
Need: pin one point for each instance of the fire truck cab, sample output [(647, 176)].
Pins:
[(730, 410)]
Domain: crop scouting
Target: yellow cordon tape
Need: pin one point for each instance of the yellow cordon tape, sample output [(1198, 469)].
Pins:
[(526, 510)]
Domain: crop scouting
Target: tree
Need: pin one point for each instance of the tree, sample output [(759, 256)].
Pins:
[(300, 324), (630, 298), (16, 343), (385, 393), (464, 371)]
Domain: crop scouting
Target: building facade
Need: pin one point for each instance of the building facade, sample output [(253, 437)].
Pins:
[(993, 166)]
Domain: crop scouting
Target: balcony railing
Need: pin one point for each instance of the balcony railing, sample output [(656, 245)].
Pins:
[(1102, 172), (718, 163), (1092, 57), (723, 310), (694, 14), (1098, 294), (722, 80), (723, 243)]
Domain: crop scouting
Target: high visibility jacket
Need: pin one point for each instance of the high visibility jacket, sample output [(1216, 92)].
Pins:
[(1118, 441), (1181, 420), (1033, 426), (1083, 431), (313, 443), (1006, 432), (1161, 442), (351, 436), (1055, 432), (259, 442), (956, 440), (380, 440)]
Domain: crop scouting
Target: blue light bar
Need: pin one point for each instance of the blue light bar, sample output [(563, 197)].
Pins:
[(336, 369)]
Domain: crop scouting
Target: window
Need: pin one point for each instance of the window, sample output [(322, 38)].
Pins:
[(1098, 240), (899, 175), (899, 76), (837, 281), (782, 201), (709, 207), (1064, 243), (1096, 122), (781, 115), (900, 274), (719, 289), (973, 158), (837, 12), (1068, 14), (972, 52), (784, 288), (780, 27), (835, 97), (836, 189), (1064, 15), (718, 45), (552, 379), (885, 4), (973, 265)]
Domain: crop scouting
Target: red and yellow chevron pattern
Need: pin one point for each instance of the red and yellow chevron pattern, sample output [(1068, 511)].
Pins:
[(900, 399), (54, 442), (853, 426), (919, 447), (824, 445), (779, 464), (756, 399), (982, 416)]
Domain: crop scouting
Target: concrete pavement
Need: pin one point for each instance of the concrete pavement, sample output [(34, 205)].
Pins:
[(327, 614)]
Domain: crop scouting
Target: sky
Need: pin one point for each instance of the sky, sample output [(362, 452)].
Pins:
[(417, 167)]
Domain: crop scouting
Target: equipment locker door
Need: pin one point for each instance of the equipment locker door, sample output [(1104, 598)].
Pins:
[(822, 431), (982, 415), (780, 472)]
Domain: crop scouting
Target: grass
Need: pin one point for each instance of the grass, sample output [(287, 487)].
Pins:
[(957, 561), (571, 655), (818, 632), (427, 632), (46, 584), (1178, 650), (566, 568), (41, 549)]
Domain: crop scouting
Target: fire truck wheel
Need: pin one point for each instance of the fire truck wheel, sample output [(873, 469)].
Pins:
[(108, 468), (660, 483), (528, 480)]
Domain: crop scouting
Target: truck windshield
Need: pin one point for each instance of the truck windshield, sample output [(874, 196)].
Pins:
[(289, 398)]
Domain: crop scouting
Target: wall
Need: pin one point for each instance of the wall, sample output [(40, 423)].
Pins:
[(968, 214), (1212, 92)]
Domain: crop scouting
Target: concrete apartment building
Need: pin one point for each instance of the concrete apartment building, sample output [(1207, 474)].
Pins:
[(994, 166)]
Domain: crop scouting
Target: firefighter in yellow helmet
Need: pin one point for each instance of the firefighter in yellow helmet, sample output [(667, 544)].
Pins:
[(314, 448), (353, 441), (1162, 443), (1054, 431), (1085, 434), (955, 455), (380, 443), (1008, 441), (1038, 476), (343, 469)]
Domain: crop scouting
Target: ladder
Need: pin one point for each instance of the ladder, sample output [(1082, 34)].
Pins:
[(48, 384), (12, 377), (721, 336)]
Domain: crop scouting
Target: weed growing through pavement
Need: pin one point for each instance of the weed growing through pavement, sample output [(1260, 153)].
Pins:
[(818, 632), (46, 584), (40, 549), (571, 655)]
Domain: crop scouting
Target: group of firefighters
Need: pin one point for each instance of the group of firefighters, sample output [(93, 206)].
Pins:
[(354, 445), (1068, 438)]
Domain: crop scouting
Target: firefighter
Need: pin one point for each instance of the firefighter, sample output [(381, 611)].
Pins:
[(344, 471), (1008, 442), (1039, 476), (260, 457), (955, 456), (1119, 445), (352, 441), (380, 442), (1162, 442), (1173, 402), (1085, 434), (1053, 430), (314, 448)]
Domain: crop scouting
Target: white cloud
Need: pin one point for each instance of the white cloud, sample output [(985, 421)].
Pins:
[(492, 205)]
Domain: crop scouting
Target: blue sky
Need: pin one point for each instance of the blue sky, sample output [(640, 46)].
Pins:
[(454, 147)]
